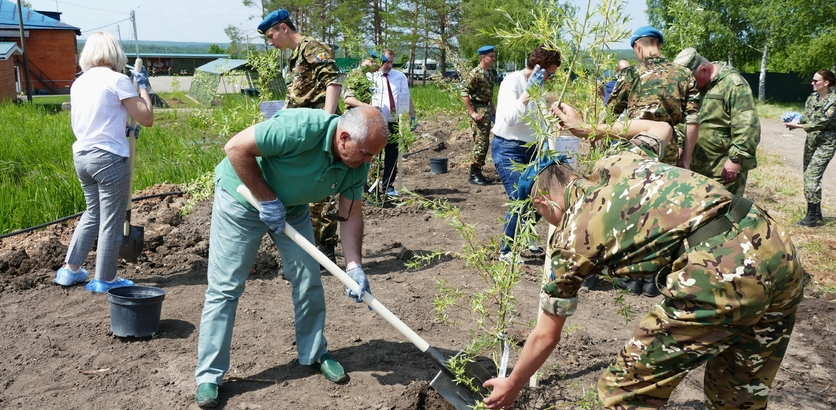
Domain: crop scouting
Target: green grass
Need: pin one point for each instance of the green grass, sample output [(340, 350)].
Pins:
[(773, 111), (50, 99), (37, 179)]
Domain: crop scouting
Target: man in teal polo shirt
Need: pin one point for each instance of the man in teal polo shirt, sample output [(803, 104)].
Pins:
[(297, 157)]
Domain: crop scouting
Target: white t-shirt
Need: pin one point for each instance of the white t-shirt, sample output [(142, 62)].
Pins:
[(400, 92), (98, 115), (510, 112)]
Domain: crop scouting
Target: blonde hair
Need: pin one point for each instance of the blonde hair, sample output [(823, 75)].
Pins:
[(102, 50)]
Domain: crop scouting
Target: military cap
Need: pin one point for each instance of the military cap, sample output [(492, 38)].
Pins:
[(689, 58), (646, 31), (375, 56), (272, 19), (526, 181), (485, 50)]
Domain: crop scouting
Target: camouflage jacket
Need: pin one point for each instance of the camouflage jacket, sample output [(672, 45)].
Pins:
[(729, 124), (627, 217), (658, 90), (478, 85), (310, 70), (820, 116)]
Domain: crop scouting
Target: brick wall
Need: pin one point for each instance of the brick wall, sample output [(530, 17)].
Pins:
[(54, 53), (7, 80)]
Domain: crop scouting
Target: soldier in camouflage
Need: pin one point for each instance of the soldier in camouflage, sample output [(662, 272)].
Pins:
[(820, 123), (659, 90), (729, 126), (313, 81), (729, 273), (477, 95)]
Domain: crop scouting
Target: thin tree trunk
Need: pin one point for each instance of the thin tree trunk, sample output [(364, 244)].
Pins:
[(762, 77)]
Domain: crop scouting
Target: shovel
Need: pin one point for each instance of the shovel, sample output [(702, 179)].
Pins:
[(133, 236), (459, 395)]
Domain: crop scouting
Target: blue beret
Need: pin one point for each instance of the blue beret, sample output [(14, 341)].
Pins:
[(272, 19), (376, 57), (526, 181), (646, 31), (485, 50)]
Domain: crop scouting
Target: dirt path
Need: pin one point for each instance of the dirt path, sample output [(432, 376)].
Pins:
[(789, 145)]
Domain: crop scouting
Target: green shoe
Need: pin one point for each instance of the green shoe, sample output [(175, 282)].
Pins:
[(331, 369), (206, 395)]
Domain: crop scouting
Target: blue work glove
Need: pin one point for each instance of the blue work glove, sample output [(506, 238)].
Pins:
[(537, 77), (273, 215), (356, 274), (413, 123), (141, 78)]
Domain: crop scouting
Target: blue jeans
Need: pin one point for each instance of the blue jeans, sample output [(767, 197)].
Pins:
[(234, 238), (503, 152)]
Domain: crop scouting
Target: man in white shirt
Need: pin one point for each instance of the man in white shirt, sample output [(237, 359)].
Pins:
[(391, 96)]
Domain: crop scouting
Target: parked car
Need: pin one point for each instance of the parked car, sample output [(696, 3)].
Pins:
[(451, 74), (423, 69), (499, 77)]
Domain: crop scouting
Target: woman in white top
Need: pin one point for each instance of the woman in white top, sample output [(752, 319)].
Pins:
[(101, 99), (512, 133)]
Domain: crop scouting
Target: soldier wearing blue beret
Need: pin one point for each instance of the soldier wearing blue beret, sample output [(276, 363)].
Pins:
[(477, 95), (731, 276), (659, 90), (313, 81)]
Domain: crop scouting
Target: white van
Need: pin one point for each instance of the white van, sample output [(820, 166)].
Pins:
[(423, 68)]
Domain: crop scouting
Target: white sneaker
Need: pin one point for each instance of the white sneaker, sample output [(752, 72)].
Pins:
[(507, 257)]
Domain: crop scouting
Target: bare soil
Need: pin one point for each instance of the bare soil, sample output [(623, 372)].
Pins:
[(58, 353)]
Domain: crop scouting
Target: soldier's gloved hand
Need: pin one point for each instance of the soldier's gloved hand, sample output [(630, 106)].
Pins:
[(413, 123), (537, 78), (273, 215), (141, 78), (356, 274)]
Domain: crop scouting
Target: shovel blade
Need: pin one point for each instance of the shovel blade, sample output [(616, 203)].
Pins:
[(132, 244), (459, 395)]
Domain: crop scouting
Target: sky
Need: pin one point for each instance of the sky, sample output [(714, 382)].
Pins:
[(197, 20)]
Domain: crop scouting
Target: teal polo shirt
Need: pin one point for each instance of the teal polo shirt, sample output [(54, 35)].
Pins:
[(297, 162)]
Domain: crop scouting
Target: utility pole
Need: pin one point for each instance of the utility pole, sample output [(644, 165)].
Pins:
[(136, 38), (23, 48)]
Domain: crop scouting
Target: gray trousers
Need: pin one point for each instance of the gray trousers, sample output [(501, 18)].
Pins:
[(105, 179)]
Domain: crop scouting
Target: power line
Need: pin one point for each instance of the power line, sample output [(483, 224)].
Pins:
[(106, 25), (91, 8)]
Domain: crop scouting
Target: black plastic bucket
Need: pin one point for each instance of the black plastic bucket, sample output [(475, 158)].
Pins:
[(438, 165), (135, 310)]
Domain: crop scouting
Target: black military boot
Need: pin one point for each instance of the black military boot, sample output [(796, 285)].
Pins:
[(476, 177), (329, 251), (819, 216), (649, 288), (810, 218)]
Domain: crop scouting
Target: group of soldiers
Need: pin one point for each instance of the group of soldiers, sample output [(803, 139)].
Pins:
[(709, 105)]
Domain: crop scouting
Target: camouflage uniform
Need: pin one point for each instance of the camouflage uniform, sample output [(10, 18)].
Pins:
[(820, 123), (479, 87), (309, 72), (729, 126), (658, 90), (729, 301)]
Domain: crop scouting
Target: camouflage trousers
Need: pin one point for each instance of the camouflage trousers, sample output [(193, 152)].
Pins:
[(324, 222), (480, 131), (729, 302), (818, 151)]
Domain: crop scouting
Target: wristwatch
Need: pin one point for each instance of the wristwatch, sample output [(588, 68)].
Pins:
[(734, 159)]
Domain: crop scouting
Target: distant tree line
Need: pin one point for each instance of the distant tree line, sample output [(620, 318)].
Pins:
[(784, 36)]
